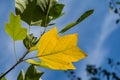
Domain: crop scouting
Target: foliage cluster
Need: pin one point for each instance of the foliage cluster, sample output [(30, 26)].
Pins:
[(42, 13)]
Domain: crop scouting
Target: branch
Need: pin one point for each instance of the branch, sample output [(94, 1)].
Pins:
[(18, 62)]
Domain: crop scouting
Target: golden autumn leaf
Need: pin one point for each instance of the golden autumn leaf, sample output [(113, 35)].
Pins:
[(58, 52)]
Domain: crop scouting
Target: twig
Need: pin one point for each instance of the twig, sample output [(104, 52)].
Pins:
[(42, 34), (18, 62)]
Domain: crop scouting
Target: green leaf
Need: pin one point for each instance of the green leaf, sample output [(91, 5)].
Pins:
[(70, 25), (14, 29), (3, 78), (32, 73), (38, 12), (56, 11), (80, 19), (85, 15), (28, 10), (30, 41), (21, 75)]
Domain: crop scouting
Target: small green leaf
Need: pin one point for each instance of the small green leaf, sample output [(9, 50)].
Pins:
[(28, 10), (70, 25), (32, 73), (21, 75), (80, 19), (14, 29), (30, 41), (85, 15)]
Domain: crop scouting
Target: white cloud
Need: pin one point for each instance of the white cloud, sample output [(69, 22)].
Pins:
[(99, 52), (108, 27)]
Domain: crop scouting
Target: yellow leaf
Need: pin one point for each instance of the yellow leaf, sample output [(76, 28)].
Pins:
[(58, 52), (41, 63)]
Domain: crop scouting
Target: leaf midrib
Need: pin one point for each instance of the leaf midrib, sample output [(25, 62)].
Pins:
[(56, 52)]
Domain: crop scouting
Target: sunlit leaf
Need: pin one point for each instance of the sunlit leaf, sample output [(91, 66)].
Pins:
[(14, 28), (80, 19), (58, 52), (32, 73), (38, 12), (41, 63), (33, 48)]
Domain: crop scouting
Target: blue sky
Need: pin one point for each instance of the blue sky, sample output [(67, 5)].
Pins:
[(98, 36)]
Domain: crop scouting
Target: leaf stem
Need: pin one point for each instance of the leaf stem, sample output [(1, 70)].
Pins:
[(18, 62), (31, 58), (14, 47), (42, 33), (46, 18), (28, 34), (29, 29)]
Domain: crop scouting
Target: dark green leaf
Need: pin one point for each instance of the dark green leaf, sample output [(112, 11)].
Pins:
[(68, 27), (30, 41), (38, 12), (84, 16), (56, 11), (28, 10), (14, 29), (32, 73), (21, 75)]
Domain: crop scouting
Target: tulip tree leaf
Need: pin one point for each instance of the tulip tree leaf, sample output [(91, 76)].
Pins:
[(38, 12), (32, 73), (70, 25), (30, 41), (80, 19), (85, 15), (58, 52), (21, 75), (41, 63), (56, 11), (14, 29), (28, 10)]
